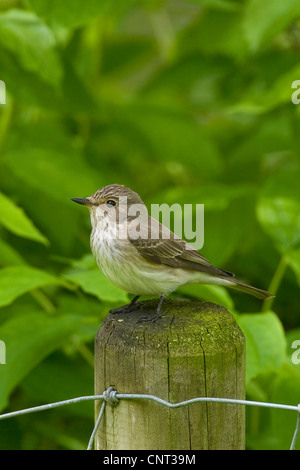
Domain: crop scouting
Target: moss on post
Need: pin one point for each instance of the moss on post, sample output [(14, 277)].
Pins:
[(196, 350)]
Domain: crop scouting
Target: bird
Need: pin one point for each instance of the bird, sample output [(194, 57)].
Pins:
[(141, 256)]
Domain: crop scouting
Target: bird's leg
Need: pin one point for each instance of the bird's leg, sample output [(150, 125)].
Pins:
[(126, 308), (158, 312)]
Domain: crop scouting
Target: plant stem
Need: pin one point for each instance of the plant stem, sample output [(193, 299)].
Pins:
[(43, 300), (275, 282)]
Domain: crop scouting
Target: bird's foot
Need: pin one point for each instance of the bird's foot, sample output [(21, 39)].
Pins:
[(127, 308), (158, 313), (153, 319)]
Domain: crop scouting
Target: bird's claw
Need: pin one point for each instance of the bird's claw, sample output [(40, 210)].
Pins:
[(126, 308), (153, 319)]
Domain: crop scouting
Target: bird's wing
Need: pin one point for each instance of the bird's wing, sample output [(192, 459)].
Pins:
[(161, 246)]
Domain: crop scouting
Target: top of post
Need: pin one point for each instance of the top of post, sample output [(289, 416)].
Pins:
[(187, 324)]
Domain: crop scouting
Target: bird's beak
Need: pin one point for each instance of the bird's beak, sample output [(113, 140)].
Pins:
[(85, 201)]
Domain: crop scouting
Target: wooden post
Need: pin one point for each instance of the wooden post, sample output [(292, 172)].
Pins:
[(196, 350)]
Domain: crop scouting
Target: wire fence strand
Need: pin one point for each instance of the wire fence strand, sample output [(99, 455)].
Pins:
[(112, 397)]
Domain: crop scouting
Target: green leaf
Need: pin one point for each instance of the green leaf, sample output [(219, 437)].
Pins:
[(264, 19), (31, 90), (293, 260), (8, 255), (265, 342), (13, 218), (226, 5), (32, 42), (85, 263), (278, 209), (214, 196), (285, 390), (174, 137), (216, 294), (28, 339), (60, 175), (278, 93), (17, 280), (95, 283), (222, 235), (280, 218), (221, 32), (77, 14), (75, 380)]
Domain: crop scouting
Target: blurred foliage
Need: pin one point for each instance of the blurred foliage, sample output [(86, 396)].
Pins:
[(184, 101)]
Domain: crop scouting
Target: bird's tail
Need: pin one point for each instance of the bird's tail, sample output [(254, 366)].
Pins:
[(242, 286)]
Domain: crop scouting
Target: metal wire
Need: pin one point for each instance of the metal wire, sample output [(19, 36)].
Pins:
[(48, 406), (296, 430), (111, 396), (90, 444)]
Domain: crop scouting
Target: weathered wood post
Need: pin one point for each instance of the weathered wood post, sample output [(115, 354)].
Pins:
[(196, 350)]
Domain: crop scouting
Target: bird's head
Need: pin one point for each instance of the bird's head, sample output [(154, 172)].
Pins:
[(112, 202)]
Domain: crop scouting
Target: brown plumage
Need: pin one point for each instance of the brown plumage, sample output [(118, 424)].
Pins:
[(153, 262)]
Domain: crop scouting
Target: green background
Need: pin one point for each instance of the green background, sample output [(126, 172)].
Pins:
[(182, 101)]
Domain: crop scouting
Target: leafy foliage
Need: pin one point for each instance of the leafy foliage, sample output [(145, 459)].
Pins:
[(184, 101)]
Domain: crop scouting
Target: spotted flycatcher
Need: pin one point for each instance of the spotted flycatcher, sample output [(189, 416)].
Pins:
[(142, 256)]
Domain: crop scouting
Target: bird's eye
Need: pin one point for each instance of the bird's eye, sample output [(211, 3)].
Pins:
[(110, 203)]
